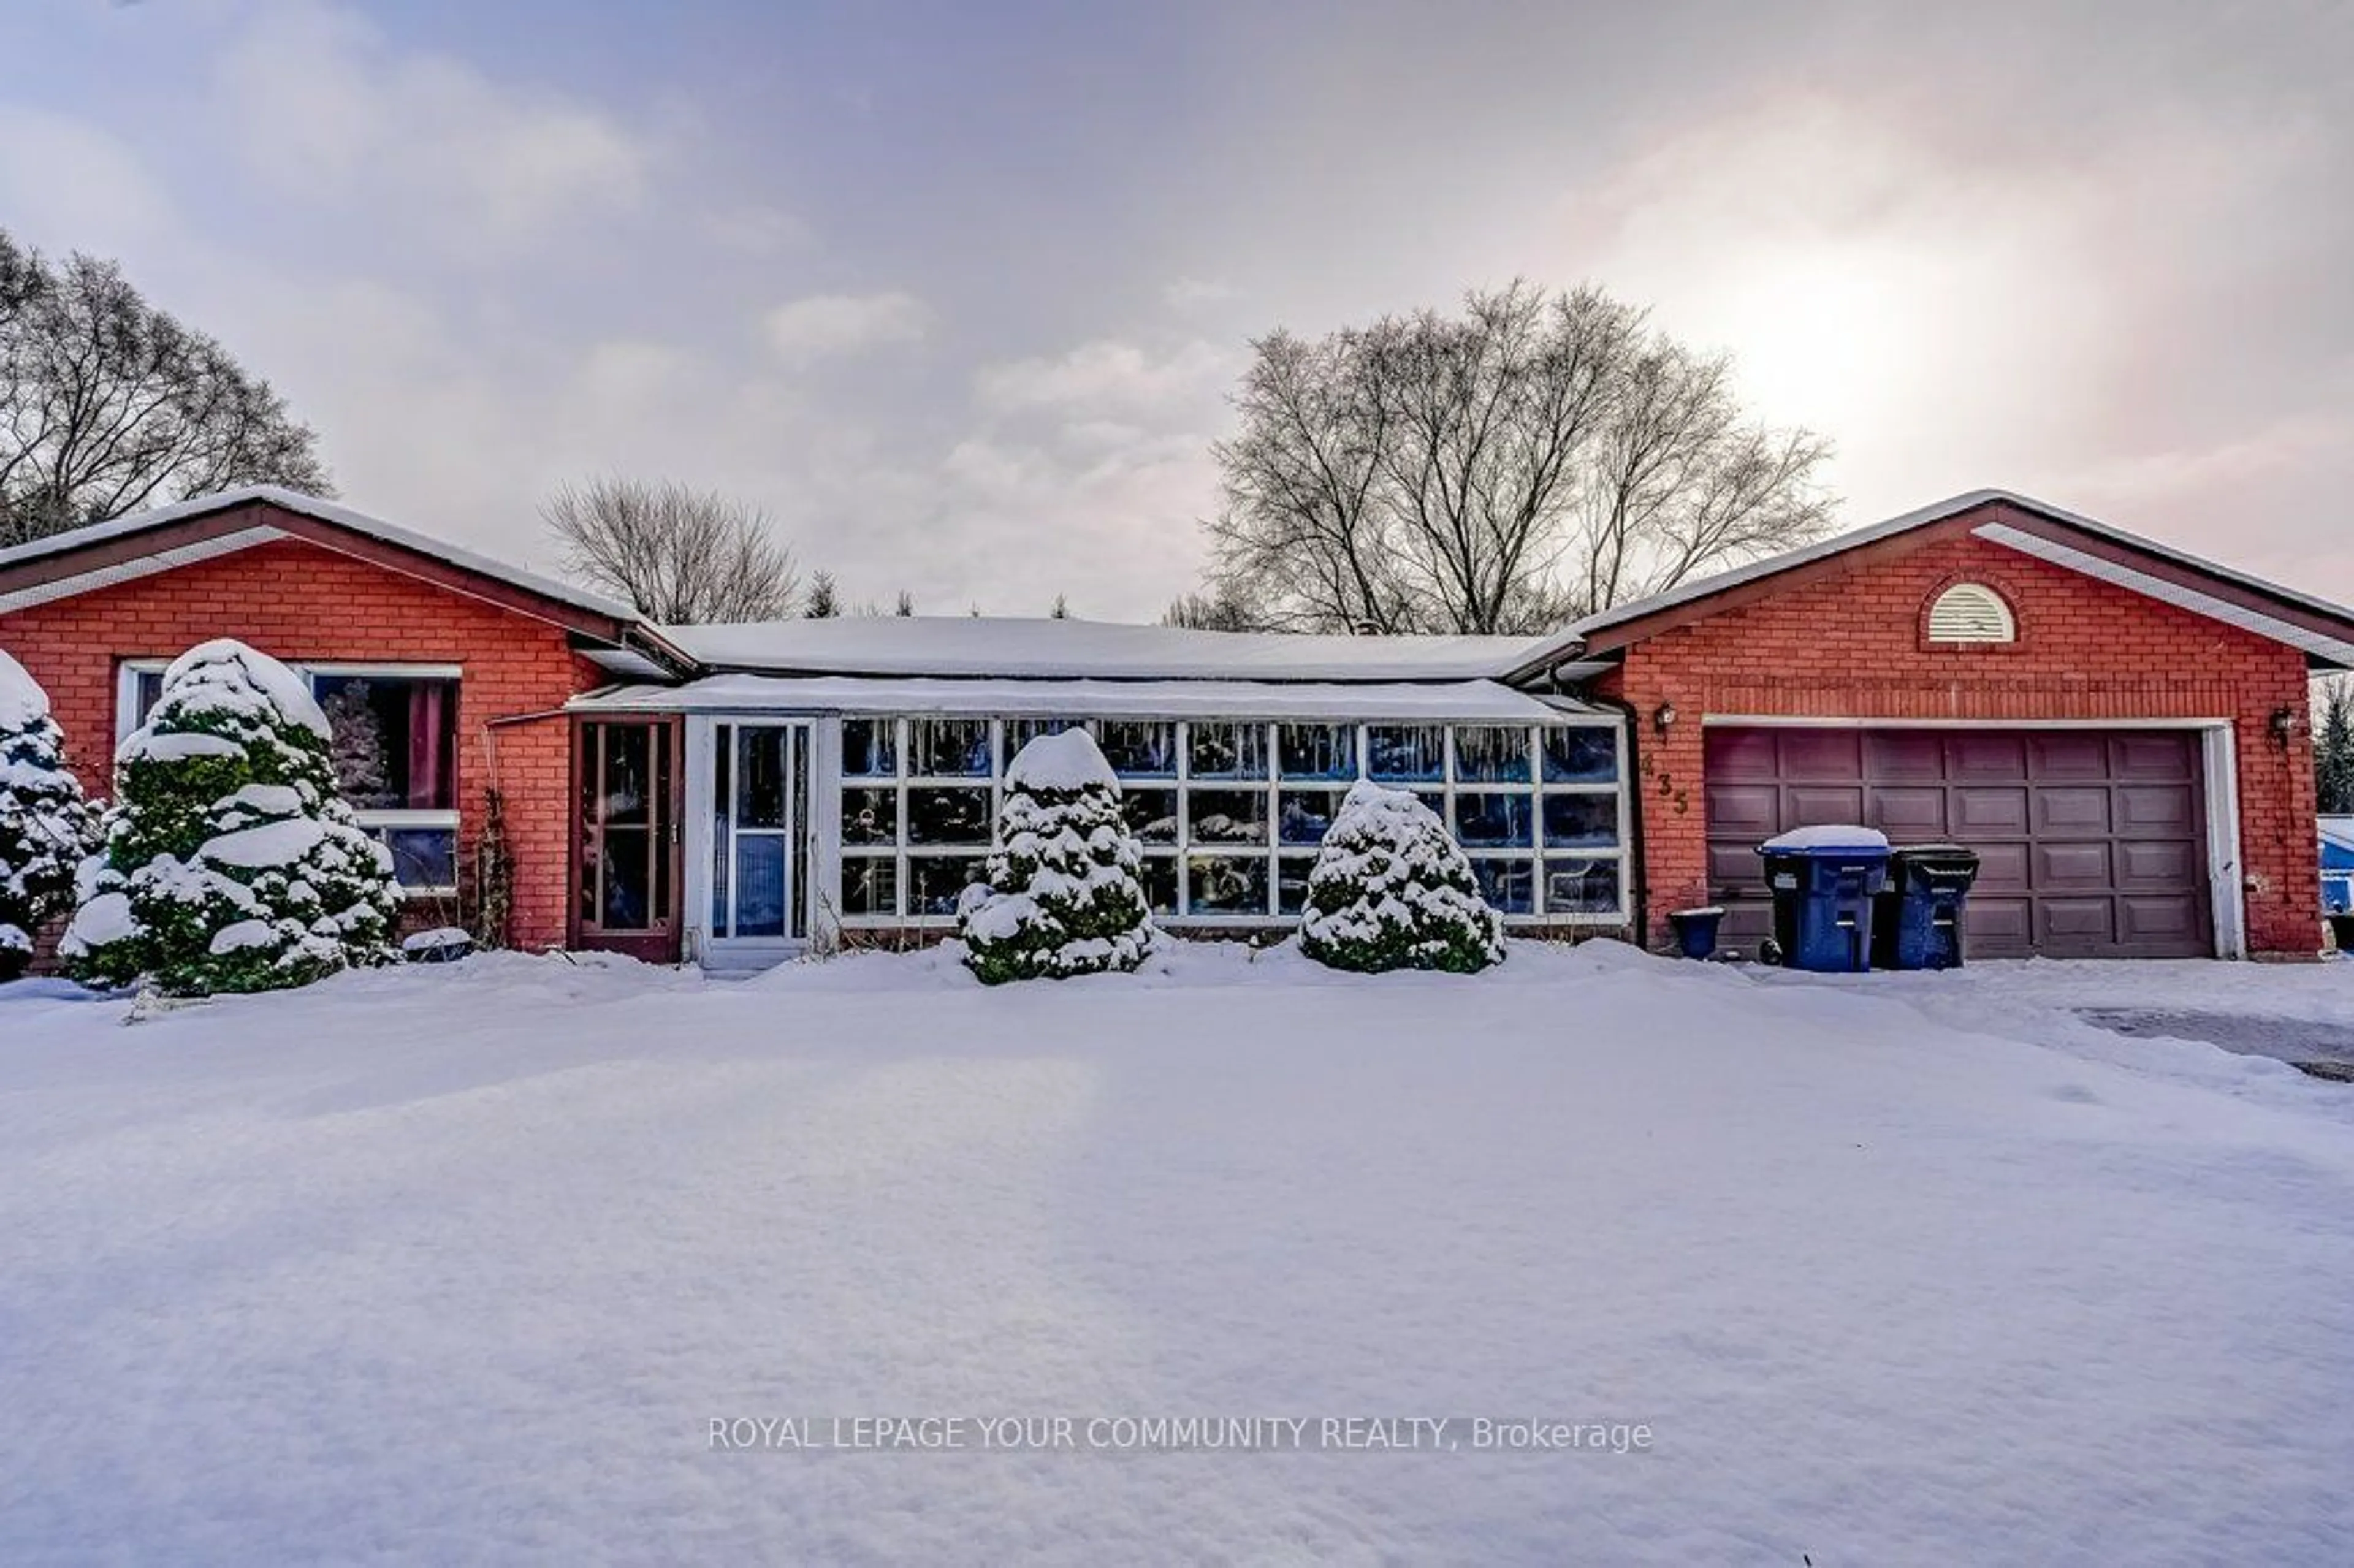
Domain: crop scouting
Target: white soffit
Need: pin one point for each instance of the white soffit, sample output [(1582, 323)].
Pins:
[(139, 566), (2175, 594)]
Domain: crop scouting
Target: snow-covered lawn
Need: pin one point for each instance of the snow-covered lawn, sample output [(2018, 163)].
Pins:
[(461, 1262)]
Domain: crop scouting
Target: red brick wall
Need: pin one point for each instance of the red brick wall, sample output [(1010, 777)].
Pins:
[(297, 601), (1850, 644)]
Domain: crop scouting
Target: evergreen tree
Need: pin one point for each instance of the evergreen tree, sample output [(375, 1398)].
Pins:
[(1063, 896), (824, 598), (1392, 891), (229, 863), (46, 825), (363, 776), (2333, 750)]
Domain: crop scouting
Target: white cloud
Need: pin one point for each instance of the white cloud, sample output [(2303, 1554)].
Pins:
[(1186, 294), (325, 110), (824, 325), (67, 185), (1109, 375)]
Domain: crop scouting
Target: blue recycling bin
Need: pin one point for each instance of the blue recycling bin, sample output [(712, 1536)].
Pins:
[(1918, 925), (1823, 884)]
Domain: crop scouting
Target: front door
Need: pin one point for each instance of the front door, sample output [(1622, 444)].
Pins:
[(759, 834), (627, 863)]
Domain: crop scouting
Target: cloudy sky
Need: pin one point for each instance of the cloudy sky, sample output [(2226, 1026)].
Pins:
[(956, 291)]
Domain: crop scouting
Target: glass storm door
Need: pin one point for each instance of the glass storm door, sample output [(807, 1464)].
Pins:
[(627, 896), (759, 831)]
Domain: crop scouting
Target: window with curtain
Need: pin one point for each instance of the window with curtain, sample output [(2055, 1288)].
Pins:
[(392, 746)]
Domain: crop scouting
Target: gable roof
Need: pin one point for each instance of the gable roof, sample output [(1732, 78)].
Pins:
[(103, 554), (977, 646), (2325, 631)]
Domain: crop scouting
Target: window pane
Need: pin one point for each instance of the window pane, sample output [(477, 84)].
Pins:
[(1583, 822), (1508, 885), (1491, 754), (423, 857), (948, 816), (1317, 751), (1020, 732), (624, 783), (1291, 872), (723, 774), (625, 879), (147, 691), (870, 816), (934, 883), (1141, 749), (760, 775), (1405, 754), (393, 741), (798, 903), (760, 884), (1580, 754), (1229, 750), (870, 885), (1152, 814), (1306, 815), (947, 749), (1159, 877), (1228, 816), (870, 747), (1227, 884), (1492, 822), (1581, 886)]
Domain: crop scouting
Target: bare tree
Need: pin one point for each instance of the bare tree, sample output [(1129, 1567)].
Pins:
[(1536, 458), (1211, 613), (109, 405), (680, 557)]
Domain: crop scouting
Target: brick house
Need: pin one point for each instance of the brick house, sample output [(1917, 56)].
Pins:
[(2120, 729)]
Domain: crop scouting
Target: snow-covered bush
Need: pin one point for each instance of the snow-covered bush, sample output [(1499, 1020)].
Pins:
[(1391, 891), (229, 863), (46, 826), (1062, 896)]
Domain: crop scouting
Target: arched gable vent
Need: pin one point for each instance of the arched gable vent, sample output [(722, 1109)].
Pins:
[(1971, 612)]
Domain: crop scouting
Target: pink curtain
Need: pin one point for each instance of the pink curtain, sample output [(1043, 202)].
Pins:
[(428, 761)]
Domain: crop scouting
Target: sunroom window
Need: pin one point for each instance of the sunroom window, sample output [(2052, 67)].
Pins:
[(1229, 811)]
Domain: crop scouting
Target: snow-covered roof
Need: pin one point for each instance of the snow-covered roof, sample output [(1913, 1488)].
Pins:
[(1469, 701), (1075, 649), (312, 506), (2339, 831), (1574, 636)]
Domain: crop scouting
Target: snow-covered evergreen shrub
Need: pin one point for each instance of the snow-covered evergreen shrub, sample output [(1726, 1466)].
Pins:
[(46, 825), (229, 863), (1391, 891), (1062, 895)]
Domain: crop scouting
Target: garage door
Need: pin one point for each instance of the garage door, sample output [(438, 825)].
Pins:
[(2090, 843)]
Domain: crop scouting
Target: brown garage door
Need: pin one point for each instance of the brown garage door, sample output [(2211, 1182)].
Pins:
[(2090, 843)]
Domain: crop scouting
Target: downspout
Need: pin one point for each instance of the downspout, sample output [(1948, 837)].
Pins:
[(1630, 780)]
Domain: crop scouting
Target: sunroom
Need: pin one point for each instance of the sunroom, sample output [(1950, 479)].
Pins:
[(738, 818)]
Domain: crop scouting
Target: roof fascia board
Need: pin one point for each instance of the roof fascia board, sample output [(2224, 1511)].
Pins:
[(2168, 589), (2279, 605), (92, 578)]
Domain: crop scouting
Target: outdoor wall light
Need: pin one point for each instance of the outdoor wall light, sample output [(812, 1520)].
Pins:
[(1662, 717), (2287, 724)]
